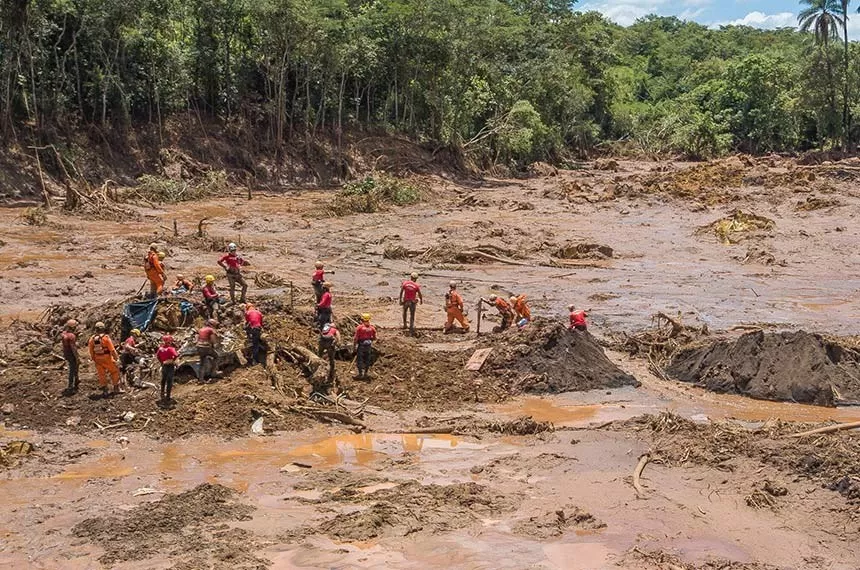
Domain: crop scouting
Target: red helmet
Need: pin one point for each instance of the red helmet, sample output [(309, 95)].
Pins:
[(167, 339)]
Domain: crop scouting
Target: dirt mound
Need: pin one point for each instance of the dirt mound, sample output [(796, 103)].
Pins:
[(584, 251), (182, 527), (555, 523), (410, 508), (709, 181), (547, 357), (738, 226), (797, 366)]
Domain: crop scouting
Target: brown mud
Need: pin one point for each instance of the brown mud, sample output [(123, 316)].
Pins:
[(501, 480)]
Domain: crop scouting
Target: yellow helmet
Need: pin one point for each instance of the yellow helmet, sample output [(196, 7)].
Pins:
[(161, 255), (209, 279), (365, 317), (135, 332)]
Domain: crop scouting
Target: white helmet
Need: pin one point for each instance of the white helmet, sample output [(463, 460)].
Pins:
[(231, 246)]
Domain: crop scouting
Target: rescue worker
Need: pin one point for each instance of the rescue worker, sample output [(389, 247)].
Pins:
[(154, 271), (254, 330), (324, 306), (129, 353), (70, 353), (521, 308), (167, 355), (410, 297), (232, 264), (318, 279), (577, 319), (504, 309), (211, 297), (207, 341), (104, 356), (365, 334), (329, 341), (182, 285), (454, 309)]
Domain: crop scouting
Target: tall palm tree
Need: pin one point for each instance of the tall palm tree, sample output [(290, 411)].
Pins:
[(846, 115), (823, 18)]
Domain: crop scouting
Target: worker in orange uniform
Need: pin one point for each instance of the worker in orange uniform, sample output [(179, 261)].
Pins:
[(254, 331), (577, 319), (521, 308), (505, 311), (104, 355), (182, 285), (410, 297), (233, 263), (317, 280), (154, 271), (454, 309), (365, 334)]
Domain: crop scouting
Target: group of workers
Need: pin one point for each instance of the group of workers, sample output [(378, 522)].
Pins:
[(112, 364)]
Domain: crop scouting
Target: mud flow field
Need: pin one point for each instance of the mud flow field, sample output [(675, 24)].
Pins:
[(722, 302)]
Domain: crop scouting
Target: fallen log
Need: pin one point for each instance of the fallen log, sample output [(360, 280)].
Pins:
[(827, 429), (430, 430), (637, 474), (491, 257)]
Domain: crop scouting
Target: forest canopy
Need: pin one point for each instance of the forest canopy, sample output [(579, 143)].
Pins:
[(510, 80)]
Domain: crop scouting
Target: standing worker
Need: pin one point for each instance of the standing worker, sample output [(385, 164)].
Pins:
[(454, 309), (211, 298), (167, 356), (365, 334), (232, 264), (129, 351), (577, 319), (104, 356), (318, 279), (70, 353), (410, 297), (329, 341), (324, 306), (504, 309), (154, 271), (521, 308), (254, 330), (207, 340)]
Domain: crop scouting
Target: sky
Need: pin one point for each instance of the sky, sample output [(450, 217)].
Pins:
[(757, 13)]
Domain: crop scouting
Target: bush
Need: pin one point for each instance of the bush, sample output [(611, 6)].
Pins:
[(374, 192), (160, 189)]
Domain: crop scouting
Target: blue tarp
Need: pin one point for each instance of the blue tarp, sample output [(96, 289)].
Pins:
[(138, 315)]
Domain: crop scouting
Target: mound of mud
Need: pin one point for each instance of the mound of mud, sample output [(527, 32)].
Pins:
[(546, 357), (584, 251), (180, 526), (555, 523), (798, 366), (738, 226)]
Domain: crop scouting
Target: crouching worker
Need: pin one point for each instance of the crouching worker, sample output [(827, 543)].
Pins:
[(207, 341), (104, 356), (505, 311), (577, 319), (211, 298), (167, 355), (365, 334)]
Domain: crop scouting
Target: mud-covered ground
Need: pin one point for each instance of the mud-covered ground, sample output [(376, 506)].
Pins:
[(528, 463)]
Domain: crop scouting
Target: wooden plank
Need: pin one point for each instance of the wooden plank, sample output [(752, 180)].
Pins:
[(478, 358)]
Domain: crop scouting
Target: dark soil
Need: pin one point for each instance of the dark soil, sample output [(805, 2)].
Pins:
[(183, 527), (797, 366), (546, 357)]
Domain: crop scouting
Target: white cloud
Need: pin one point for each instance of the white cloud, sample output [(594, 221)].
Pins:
[(766, 21), (625, 12)]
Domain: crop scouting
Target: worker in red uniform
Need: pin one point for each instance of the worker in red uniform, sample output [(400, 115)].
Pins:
[(207, 342), (104, 356), (577, 319), (154, 271), (454, 309), (410, 297), (129, 351), (505, 311), (521, 308), (329, 341), (232, 264), (167, 355), (318, 279), (211, 298), (182, 285), (324, 306), (69, 341), (254, 330), (365, 334)]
